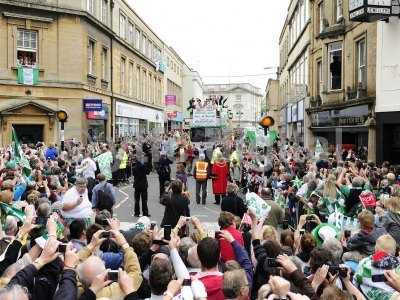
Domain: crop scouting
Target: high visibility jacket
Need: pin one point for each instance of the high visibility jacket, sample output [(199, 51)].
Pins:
[(201, 170)]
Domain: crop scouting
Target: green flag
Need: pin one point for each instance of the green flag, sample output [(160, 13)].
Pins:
[(28, 76), (8, 210), (18, 155)]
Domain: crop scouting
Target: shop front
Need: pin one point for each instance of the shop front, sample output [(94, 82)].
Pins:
[(388, 137), (341, 128), (96, 117), (132, 120), (174, 120), (295, 121)]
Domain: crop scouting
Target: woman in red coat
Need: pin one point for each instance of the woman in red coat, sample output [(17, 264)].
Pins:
[(220, 173)]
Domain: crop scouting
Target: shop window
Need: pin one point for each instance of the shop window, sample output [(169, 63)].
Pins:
[(27, 47), (335, 65), (361, 64)]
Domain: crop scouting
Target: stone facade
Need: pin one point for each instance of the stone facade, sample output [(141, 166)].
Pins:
[(272, 102), (82, 51), (342, 76)]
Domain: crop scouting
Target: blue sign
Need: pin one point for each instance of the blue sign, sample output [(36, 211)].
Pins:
[(92, 105)]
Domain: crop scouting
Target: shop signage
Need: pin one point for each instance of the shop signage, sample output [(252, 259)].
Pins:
[(369, 10), (133, 111), (172, 115), (351, 116), (205, 118), (170, 100), (92, 105), (98, 115)]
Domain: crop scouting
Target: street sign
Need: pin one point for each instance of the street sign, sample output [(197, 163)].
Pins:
[(369, 10)]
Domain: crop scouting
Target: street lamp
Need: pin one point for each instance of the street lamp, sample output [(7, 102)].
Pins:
[(62, 117)]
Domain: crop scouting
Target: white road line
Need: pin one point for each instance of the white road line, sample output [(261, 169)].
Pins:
[(124, 200)]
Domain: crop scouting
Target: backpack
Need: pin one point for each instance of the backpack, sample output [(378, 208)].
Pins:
[(104, 198)]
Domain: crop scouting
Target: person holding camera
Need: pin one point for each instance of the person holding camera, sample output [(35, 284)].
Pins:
[(176, 204)]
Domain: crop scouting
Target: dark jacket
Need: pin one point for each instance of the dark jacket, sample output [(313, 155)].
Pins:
[(298, 281), (164, 169), (140, 172), (392, 225), (10, 256), (41, 284), (67, 289), (365, 242), (176, 205), (234, 204)]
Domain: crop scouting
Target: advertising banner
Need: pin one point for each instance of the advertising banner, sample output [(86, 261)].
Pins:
[(205, 118), (170, 100)]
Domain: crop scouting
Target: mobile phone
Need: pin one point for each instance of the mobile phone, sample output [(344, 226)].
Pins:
[(112, 275), (187, 282), (105, 235), (159, 242), (379, 278), (152, 225), (302, 231), (217, 235), (271, 262), (167, 232), (347, 234), (188, 219), (62, 248), (342, 271)]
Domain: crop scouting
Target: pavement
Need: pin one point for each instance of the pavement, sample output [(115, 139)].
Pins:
[(124, 207)]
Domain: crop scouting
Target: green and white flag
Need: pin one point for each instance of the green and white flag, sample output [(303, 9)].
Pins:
[(18, 155), (28, 76)]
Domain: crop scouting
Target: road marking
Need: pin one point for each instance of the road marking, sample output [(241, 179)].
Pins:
[(124, 200)]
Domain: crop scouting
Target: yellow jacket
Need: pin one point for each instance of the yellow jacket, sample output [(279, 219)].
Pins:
[(113, 291)]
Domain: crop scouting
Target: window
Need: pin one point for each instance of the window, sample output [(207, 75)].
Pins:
[(144, 86), (149, 49), (320, 17), (123, 61), (151, 90), (335, 65), (138, 37), (104, 11), (361, 64), (319, 78), (27, 47), (131, 83), (339, 10), (131, 32), (90, 6), (122, 26), (91, 47), (104, 63), (138, 83), (144, 44)]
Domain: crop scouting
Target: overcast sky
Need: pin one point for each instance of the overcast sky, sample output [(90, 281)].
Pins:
[(220, 37)]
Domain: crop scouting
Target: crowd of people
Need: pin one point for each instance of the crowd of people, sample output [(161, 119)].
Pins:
[(332, 230)]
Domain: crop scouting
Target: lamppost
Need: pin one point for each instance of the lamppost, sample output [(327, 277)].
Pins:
[(62, 117)]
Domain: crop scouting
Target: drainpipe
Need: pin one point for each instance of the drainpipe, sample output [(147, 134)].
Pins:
[(111, 72)]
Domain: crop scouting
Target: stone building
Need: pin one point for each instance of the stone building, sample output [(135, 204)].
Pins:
[(97, 60), (272, 102), (293, 78), (342, 78)]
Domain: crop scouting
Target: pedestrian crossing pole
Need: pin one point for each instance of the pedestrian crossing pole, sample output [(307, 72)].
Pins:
[(62, 117)]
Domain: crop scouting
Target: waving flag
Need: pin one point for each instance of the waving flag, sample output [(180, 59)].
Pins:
[(18, 155)]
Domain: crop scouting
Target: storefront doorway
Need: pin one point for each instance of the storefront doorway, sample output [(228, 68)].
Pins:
[(29, 133)]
